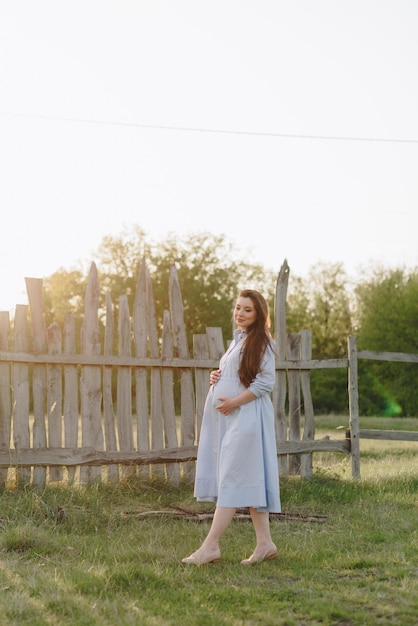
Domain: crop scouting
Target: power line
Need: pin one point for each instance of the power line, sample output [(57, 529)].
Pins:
[(219, 131)]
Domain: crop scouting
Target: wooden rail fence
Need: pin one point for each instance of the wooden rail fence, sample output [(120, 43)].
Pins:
[(99, 415)]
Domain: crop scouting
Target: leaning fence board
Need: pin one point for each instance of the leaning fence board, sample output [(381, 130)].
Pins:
[(186, 379), (157, 431), (293, 343), (21, 432), (54, 397), (279, 392), (167, 398), (308, 409), (70, 391), (124, 381), (5, 392), (90, 382), (140, 339), (40, 346), (108, 410), (201, 350)]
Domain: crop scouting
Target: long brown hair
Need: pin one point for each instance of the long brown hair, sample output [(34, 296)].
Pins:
[(257, 340)]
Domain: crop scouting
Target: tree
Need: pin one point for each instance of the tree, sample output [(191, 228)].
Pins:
[(64, 291), (209, 267), (210, 275), (387, 318), (320, 303)]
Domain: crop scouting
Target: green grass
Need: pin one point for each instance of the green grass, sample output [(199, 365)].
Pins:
[(82, 556)]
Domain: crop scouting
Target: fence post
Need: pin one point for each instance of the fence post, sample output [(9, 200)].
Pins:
[(293, 377), (187, 401), (5, 395), (108, 410), (39, 376), (124, 384), (90, 379), (21, 388), (353, 405), (54, 397), (168, 403), (308, 410), (71, 410), (279, 393), (140, 338)]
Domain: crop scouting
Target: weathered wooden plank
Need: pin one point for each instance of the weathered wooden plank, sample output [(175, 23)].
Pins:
[(20, 379), (308, 409), (400, 357), (200, 351), (215, 344), (108, 412), (124, 380), (89, 456), (5, 392), (353, 406), (71, 411), (389, 435), (39, 376), (90, 381), (293, 347), (186, 379), (104, 360), (205, 348), (167, 398), (54, 397), (157, 432), (279, 392), (140, 339), (135, 361)]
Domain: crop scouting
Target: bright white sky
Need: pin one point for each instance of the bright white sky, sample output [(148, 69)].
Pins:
[(254, 119)]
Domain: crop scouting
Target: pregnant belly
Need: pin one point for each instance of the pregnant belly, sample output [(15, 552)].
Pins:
[(226, 388)]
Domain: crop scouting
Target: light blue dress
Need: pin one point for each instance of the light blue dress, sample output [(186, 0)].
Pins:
[(237, 454)]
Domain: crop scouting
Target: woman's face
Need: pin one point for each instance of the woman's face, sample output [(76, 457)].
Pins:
[(244, 313)]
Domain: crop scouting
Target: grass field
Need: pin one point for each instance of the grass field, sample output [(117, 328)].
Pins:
[(83, 555)]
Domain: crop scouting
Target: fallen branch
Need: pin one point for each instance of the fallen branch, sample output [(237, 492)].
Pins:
[(241, 515)]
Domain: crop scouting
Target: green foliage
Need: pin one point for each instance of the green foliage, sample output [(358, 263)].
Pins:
[(383, 313), (321, 303), (329, 391), (63, 293), (209, 268), (210, 275), (388, 322)]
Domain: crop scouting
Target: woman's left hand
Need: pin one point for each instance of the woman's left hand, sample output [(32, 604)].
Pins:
[(227, 406)]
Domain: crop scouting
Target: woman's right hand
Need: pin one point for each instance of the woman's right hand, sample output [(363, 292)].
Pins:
[(214, 376)]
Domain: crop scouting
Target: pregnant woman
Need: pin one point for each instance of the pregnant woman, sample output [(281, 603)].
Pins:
[(237, 455)]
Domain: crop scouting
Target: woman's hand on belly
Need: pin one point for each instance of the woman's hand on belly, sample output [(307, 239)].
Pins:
[(226, 406), (214, 376)]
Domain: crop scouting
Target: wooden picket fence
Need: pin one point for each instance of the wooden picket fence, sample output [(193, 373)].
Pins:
[(97, 415)]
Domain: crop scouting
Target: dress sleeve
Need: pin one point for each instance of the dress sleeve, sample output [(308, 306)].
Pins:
[(265, 379)]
